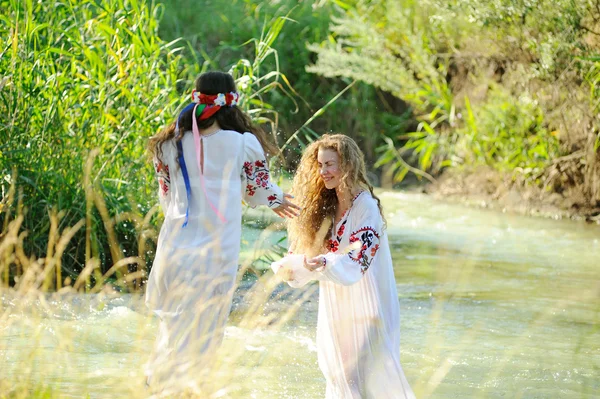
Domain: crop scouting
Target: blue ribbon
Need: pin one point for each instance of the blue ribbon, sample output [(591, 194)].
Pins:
[(184, 172), (186, 179)]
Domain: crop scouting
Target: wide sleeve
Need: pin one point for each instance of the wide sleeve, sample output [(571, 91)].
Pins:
[(300, 275), (291, 269), (350, 265), (161, 170), (260, 190)]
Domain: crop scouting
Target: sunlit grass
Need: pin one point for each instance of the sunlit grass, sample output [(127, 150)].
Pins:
[(38, 307)]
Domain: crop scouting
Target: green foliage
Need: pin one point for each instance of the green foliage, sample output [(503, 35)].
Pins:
[(219, 32), (507, 133), (391, 51), (78, 76), (88, 75), (546, 32), (411, 78), (594, 82), (392, 48), (592, 78), (427, 52)]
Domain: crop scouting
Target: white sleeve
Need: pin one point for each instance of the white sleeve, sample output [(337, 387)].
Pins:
[(294, 264), (348, 268), (163, 176), (260, 190)]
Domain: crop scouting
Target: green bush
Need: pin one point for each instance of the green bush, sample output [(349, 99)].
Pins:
[(507, 133), (79, 76), (436, 55), (84, 86)]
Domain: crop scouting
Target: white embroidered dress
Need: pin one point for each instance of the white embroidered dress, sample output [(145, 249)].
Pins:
[(358, 329), (192, 278)]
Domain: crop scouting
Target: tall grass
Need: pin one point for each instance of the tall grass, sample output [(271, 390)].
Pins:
[(38, 288), (80, 76), (84, 85)]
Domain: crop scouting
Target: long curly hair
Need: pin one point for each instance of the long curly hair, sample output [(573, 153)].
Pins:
[(228, 118), (309, 232)]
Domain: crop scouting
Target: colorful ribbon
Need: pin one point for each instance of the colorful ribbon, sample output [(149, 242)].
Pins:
[(184, 172), (213, 102)]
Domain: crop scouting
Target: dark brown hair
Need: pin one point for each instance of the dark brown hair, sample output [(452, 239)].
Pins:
[(228, 118)]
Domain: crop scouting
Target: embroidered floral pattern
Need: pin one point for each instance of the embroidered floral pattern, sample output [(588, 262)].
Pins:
[(163, 175), (374, 250), (340, 231), (370, 245), (248, 168), (333, 245), (257, 177)]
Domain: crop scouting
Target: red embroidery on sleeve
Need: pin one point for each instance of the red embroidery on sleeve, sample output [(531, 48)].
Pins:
[(164, 177), (257, 177), (369, 238)]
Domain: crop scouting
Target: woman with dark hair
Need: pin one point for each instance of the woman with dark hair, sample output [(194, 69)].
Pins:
[(209, 160)]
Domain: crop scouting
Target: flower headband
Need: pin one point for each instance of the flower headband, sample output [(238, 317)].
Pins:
[(209, 104), (206, 105), (230, 99)]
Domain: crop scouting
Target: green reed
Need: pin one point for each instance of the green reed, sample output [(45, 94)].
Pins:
[(84, 85)]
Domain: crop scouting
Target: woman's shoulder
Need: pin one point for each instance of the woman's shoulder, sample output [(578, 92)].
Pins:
[(367, 203), (249, 136), (251, 142), (365, 199), (231, 136), (166, 147)]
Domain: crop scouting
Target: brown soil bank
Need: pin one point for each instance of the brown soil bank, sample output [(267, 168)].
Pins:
[(485, 187)]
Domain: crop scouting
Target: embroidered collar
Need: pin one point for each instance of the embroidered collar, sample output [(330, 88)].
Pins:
[(339, 227)]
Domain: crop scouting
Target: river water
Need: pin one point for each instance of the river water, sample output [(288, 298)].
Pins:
[(493, 306)]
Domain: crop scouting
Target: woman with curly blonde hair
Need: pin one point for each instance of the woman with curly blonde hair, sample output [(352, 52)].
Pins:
[(339, 239)]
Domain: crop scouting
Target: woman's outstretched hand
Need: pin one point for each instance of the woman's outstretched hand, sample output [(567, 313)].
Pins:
[(287, 208), (315, 264)]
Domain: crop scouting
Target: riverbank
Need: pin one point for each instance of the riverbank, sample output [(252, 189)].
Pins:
[(487, 188)]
